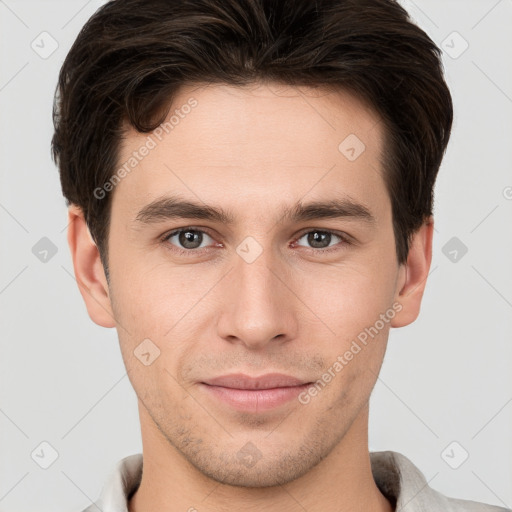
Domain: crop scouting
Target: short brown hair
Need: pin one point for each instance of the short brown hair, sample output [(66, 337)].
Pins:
[(131, 57)]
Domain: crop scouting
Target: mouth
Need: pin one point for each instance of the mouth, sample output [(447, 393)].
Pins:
[(254, 394), (267, 381)]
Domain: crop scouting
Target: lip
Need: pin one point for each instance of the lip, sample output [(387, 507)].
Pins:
[(254, 394), (267, 381)]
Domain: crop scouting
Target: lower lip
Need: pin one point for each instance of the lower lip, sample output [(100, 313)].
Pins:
[(255, 400)]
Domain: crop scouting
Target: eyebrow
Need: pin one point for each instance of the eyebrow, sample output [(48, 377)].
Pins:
[(173, 207)]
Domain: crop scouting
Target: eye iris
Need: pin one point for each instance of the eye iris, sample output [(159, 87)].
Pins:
[(193, 239), (317, 239), (190, 239)]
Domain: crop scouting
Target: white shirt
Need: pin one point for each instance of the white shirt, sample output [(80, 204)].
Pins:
[(395, 475)]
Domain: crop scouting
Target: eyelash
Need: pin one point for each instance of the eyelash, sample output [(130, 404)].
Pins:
[(192, 252)]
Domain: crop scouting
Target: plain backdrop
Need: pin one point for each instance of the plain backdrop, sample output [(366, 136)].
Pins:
[(444, 396)]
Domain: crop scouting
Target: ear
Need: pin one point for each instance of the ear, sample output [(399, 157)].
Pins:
[(89, 272), (413, 275)]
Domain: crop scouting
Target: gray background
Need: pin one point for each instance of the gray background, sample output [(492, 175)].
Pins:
[(446, 378)]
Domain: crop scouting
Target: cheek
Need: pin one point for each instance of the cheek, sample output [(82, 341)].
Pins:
[(348, 297), (351, 300), (153, 295), (162, 304)]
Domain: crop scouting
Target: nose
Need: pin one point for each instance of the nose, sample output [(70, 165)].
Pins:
[(260, 306)]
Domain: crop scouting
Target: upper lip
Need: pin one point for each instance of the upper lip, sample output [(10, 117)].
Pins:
[(267, 381)]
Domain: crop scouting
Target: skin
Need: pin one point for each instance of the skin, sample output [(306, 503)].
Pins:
[(254, 151)]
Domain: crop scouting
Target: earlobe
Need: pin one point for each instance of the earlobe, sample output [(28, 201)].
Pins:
[(89, 272), (413, 275)]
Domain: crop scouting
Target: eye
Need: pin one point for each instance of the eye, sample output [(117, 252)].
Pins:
[(188, 239), (191, 241), (321, 240)]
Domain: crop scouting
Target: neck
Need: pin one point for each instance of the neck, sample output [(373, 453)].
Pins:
[(341, 482)]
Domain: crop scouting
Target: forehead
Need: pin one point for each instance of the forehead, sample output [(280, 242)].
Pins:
[(263, 141)]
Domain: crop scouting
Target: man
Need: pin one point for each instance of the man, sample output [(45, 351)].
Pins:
[(250, 205)]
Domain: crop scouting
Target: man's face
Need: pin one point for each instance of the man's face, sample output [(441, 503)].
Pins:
[(268, 292)]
